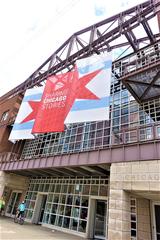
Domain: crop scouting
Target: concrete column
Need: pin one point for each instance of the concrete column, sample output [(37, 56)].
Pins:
[(119, 215), (119, 210), (144, 220), (2, 182), (13, 181)]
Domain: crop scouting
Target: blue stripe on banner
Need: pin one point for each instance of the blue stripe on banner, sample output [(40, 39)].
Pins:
[(23, 126), (32, 97), (92, 67), (91, 104)]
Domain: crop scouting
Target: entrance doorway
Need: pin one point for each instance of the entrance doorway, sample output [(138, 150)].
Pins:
[(13, 203), (100, 219), (157, 220), (39, 208)]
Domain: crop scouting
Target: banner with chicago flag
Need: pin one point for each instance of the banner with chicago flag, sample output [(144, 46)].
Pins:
[(80, 95), (95, 72), (23, 125)]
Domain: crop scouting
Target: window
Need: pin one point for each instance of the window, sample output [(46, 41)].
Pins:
[(67, 200), (79, 138), (4, 116), (133, 218)]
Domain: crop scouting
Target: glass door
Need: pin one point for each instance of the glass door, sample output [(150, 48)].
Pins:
[(13, 203), (42, 208), (100, 220), (157, 220)]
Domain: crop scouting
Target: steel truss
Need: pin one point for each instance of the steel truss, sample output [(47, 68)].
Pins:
[(114, 32)]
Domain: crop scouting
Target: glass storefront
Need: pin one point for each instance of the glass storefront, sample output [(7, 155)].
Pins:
[(13, 203), (67, 203)]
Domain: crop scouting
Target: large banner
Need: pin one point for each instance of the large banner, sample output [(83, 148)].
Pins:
[(95, 71), (78, 96), (23, 125), (55, 103)]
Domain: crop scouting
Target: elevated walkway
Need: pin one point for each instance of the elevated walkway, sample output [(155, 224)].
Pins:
[(140, 144)]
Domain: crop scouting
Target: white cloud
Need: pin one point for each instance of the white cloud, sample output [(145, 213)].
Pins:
[(31, 30)]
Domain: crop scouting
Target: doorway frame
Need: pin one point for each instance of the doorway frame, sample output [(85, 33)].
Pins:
[(154, 231), (91, 215), (37, 207), (9, 214)]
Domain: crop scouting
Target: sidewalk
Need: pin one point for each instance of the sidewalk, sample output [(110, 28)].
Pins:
[(13, 231)]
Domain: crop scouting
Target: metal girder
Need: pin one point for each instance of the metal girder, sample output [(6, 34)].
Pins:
[(96, 38), (142, 83), (139, 72), (132, 42), (50, 172), (100, 170), (150, 85), (61, 172), (82, 171), (66, 171), (148, 30), (117, 153)]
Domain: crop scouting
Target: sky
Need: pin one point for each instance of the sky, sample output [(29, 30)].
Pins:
[(31, 30)]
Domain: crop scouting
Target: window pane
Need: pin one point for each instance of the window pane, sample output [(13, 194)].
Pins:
[(82, 226), (85, 201), (75, 212), (61, 209), (66, 222), (74, 224), (52, 219), (68, 211), (83, 214), (54, 208), (94, 190)]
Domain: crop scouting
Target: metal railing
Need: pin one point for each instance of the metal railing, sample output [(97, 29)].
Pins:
[(9, 157), (137, 135), (144, 58), (142, 134)]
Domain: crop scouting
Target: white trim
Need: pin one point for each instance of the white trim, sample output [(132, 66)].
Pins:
[(34, 216), (98, 197), (43, 193)]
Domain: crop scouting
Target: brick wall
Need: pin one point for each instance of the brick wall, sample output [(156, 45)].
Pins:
[(11, 105)]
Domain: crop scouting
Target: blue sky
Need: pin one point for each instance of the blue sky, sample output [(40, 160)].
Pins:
[(31, 30)]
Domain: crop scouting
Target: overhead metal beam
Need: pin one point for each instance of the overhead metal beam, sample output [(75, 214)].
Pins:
[(145, 10), (148, 30), (67, 171), (141, 83), (131, 41), (100, 170), (150, 86), (82, 171)]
